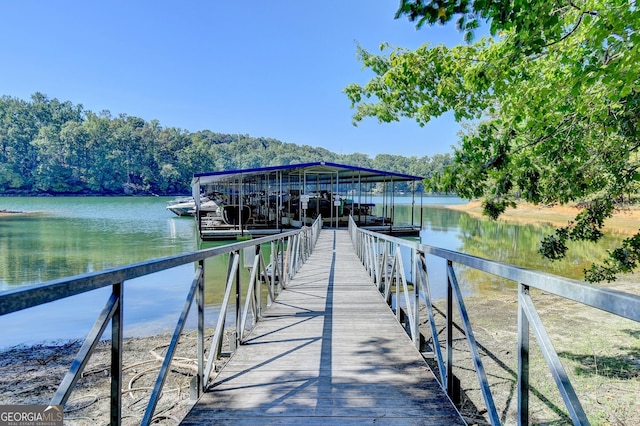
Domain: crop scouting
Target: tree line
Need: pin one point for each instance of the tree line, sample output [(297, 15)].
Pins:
[(58, 148)]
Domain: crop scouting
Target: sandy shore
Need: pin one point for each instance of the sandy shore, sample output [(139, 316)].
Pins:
[(625, 220)]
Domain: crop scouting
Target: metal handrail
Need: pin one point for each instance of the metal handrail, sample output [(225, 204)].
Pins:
[(289, 250), (375, 249)]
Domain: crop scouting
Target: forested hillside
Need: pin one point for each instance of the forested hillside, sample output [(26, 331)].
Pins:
[(53, 147)]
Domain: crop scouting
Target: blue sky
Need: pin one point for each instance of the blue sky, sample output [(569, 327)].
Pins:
[(266, 68)]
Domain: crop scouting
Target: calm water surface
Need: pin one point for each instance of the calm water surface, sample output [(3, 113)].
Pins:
[(65, 236)]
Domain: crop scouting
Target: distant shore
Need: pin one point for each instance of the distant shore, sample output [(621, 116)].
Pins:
[(625, 220)]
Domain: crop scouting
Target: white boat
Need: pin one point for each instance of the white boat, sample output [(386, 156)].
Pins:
[(187, 206)]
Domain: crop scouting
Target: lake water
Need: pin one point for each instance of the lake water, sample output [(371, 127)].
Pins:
[(73, 235)]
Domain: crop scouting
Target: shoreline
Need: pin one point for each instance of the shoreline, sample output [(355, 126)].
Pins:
[(625, 220)]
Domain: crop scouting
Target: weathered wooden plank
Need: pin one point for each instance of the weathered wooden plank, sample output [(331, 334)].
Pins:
[(305, 361), (312, 409), (327, 351), (352, 419)]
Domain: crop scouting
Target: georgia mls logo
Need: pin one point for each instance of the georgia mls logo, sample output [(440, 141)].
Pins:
[(31, 415)]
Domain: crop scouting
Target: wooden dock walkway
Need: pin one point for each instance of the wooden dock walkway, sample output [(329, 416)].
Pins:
[(328, 351)]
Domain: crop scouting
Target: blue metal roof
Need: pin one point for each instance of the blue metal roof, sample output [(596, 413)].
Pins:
[(320, 167)]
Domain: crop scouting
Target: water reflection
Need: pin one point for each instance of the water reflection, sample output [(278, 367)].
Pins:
[(511, 243), (216, 271), (518, 244), (71, 236)]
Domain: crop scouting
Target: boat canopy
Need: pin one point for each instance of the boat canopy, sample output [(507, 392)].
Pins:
[(324, 171)]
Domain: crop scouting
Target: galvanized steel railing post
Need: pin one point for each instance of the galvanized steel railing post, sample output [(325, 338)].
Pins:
[(416, 303), (382, 260), (291, 250), (385, 276), (523, 360), (171, 349), (377, 260), (260, 272), (280, 259), (218, 336), (448, 379), (558, 372), (252, 298), (302, 252), (199, 385), (367, 255), (296, 254), (304, 244), (238, 307), (374, 260), (286, 270), (382, 266), (492, 412), (269, 280), (116, 356), (394, 277), (112, 309), (274, 259), (299, 252), (426, 290)]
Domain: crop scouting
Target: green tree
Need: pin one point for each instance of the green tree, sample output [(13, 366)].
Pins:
[(99, 174), (356, 159), (18, 157), (556, 92), (62, 158)]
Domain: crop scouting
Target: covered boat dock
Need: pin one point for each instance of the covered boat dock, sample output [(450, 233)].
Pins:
[(269, 200)]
